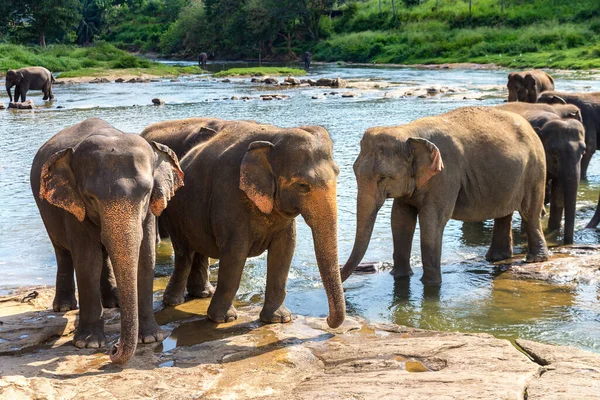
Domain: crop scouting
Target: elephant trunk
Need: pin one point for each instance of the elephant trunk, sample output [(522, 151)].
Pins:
[(320, 213), (571, 183), (368, 205), (596, 218), (122, 237), (512, 96), (8, 87)]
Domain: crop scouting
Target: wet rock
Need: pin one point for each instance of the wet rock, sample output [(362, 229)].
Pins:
[(59, 107), (270, 81), (174, 80), (349, 94), (432, 91), (337, 82), (99, 80), (2, 106), (26, 105), (226, 80), (255, 80), (285, 84), (367, 267), (304, 85), (133, 80), (266, 98), (154, 80), (318, 97), (119, 80), (158, 102), (234, 98), (292, 81), (246, 98)]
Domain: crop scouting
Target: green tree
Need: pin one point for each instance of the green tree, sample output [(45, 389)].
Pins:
[(55, 17), (93, 19), (312, 11)]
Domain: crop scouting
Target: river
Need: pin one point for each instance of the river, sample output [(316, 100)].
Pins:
[(475, 296)]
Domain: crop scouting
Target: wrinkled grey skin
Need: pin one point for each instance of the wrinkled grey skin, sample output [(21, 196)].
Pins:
[(307, 58), (526, 86), (563, 136), (98, 190), (589, 104), (202, 57), (243, 189), (470, 164), (25, 79)]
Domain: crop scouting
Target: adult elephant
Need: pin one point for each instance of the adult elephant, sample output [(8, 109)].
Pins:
[(243, 190), (98, 190), (25, 79), (181, 136), (589, 104), (526, 86), (563, 137), (307, 59), (202, 57), (470, 164)]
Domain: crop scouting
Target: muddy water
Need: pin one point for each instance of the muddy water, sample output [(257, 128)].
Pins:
[(475, 296)]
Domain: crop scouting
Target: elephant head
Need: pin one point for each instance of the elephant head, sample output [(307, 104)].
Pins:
[(295, 174), (112, 183), (13, 78), (550, 98), (517, 89), (564, 145), (387, 167), (532, 88)]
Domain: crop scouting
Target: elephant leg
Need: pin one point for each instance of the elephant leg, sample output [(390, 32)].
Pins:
[(87, 258), (502, 241), (175, 291), (108, 283), (531, 212), (556, 206), (64, 299), (432, 222), (404, 221), (198, 282), (585, 160), (279, 259), (231, 266), (149, 331), (23, 95)]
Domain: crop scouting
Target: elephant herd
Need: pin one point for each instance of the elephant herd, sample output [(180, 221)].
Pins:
[(232, 189)]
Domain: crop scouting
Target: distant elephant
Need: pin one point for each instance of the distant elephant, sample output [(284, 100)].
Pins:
[(243, 190), (202, 57), (470, 164), (589, 104), (307, 58), (526, 86), (25, 79), (563, 137), (98, 190), (181, 136)]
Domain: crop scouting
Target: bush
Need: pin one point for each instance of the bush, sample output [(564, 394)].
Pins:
[(129, 61)]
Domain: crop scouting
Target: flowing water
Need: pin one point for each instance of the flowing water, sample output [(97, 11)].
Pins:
[(475, 296)]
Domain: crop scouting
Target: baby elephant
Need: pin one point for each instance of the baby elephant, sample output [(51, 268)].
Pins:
[(470, 164), (25, 79), (98, 190)]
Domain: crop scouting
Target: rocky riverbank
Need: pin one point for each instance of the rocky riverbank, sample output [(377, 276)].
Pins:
[(301, 360)]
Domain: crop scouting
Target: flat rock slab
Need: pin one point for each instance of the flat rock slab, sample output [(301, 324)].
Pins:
[(300, 360)]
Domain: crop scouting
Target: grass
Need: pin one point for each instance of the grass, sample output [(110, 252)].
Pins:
[(536, 33), (102, 59), (260, 71)]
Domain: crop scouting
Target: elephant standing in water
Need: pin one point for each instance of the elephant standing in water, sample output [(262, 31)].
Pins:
[(470, 164), (526, 86), (202, 57), (243, 189), (589, 104), (25, 79), (563, 138), (307, 59), (98, 190)]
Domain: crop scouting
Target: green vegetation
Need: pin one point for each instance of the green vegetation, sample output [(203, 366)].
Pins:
[(98, 60), (260, 71)]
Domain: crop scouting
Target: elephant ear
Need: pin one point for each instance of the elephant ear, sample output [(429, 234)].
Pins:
[(256, 176), (427, 160), (57, 184), (554, 99), (168, 177)]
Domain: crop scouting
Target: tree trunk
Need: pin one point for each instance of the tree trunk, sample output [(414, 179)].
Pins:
[(380, 10), (502, 6), (394, 13), (470, 5), (43, 37)]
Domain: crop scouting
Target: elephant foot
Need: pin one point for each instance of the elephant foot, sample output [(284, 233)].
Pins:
[(150, 334), (220, 314), (90, 337), (493, 255), (173, 298), (272, 315), (536, 257), (431, 279), (201, 291), (64, 303), (110, 298), (402, 273)]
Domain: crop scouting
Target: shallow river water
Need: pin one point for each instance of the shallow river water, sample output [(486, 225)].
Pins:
[(475, 296)]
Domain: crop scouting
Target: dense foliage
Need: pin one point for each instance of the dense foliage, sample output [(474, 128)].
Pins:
[(559, 33)]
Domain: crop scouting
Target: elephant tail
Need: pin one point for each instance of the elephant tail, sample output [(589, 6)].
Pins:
[(52, 78)]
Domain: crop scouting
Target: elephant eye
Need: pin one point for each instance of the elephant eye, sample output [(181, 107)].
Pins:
[(302, 187), (382, 179)]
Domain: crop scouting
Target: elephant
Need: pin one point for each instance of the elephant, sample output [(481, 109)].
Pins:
[(307, 58), (243, 189), (589, 104), (563, 138), (526, 86), (470, 164), (202, 57), (98, 190), (25, 79)]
